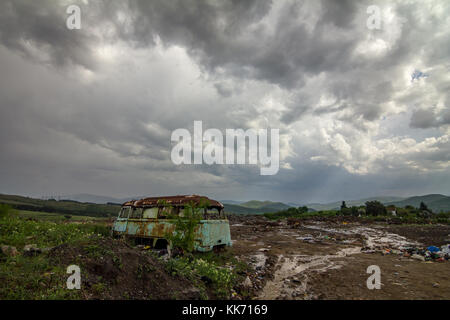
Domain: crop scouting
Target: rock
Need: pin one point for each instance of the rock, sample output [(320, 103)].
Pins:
[(9, 251), (192, 293), (436, 285), (31, 250), (247, 282), (418, 257)]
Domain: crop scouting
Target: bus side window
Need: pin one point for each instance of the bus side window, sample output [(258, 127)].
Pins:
[(212, 213), (162, 212), (124, 212), (151, 213), (136, 213), (165, 212)]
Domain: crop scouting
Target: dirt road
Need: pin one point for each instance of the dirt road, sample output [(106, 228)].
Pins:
[(329, 259)]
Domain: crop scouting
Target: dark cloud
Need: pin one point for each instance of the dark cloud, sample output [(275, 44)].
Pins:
[(33, 27), (92, 110)]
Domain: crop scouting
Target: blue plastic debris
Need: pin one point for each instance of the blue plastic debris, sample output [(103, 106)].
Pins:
[(433, 249)]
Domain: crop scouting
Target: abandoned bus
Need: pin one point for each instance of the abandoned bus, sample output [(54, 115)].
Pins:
[(151, 219)]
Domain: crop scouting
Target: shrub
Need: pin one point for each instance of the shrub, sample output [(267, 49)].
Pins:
[(5, 210), (375, 208)]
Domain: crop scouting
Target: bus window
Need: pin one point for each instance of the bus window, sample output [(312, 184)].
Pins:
[(151, 213), (212, 213), (136, 213), (165, 212), (124, 212)]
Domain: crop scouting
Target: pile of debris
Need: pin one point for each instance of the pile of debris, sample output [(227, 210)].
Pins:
[(431, 253)]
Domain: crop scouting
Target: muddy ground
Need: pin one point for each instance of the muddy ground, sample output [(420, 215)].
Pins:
[(328, 259)]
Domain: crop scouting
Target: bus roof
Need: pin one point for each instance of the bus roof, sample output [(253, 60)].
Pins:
[(179, 200)]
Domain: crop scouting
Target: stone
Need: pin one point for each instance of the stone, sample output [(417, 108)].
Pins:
[(248, 282), (9, 250)]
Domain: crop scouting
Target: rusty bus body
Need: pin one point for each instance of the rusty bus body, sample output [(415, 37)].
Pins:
[(148, 219)]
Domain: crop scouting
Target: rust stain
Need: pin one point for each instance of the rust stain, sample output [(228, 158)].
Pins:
[(180, 200)]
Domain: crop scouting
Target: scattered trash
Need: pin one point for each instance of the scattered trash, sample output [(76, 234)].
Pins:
[(446, 249), (429, 254), (418, 257)]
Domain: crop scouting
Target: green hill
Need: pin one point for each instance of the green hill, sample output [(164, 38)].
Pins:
[(436, 202), (63, 207), (255, 204), (255, 207)]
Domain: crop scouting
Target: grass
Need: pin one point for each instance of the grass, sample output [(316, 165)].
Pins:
[(56, 217), (63, 207), (204, 273), (218, 272), (17, 231), (23, 277)]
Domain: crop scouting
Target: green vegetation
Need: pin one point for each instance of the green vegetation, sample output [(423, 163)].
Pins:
[(55, 217), (183, 235), (16, 231), (372, 210), (218, 272), (291, 212), (435, 202), (34, 277), (63, 207), (4, 210)]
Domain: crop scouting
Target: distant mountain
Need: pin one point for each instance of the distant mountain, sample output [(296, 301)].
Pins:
[(349, 203), (231, 202), (237, 209), (436, 202), (255, 207), (294, 204), (255, 204)]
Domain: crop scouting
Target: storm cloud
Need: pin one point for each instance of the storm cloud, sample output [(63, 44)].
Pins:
[(92, 110)]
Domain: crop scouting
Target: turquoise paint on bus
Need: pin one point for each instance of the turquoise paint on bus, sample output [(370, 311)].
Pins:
[(209, 233)]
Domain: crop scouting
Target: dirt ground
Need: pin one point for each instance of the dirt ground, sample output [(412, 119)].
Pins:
[(113, 269), (328, 259)]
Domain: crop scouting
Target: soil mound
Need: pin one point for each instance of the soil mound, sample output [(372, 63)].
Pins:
[(112, 269)]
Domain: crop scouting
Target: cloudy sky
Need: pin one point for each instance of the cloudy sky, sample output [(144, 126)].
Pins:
[(362, 112)]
